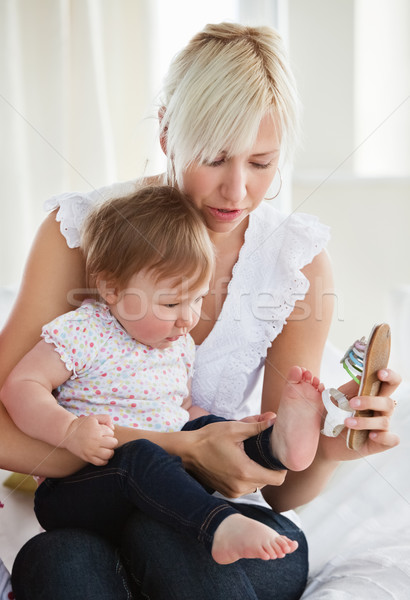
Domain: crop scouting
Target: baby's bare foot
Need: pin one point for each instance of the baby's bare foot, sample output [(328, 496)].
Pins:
[(240, 537), (295, 436)]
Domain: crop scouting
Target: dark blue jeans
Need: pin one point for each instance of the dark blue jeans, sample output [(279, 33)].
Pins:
[(157, 563), (69, 564), (140, 475), (148, 557)]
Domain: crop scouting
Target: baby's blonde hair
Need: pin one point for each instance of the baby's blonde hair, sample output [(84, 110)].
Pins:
[(157, 229), (218, 89)]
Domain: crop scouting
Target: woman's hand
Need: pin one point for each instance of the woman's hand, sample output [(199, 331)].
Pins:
[(217, 458), (266, 416), (380, 437)]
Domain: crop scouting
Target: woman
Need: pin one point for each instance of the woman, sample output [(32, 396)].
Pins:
[(229, 112)]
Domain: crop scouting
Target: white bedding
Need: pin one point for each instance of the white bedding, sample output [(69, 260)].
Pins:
[(358, 529)]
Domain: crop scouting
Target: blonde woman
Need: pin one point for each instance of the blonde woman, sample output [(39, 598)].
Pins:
[(228, 116)]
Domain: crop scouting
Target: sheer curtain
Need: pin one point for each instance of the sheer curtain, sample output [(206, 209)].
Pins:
[(73, 114), (352, 63)]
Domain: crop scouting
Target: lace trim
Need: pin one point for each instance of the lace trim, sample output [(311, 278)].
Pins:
[(73, 207), (66, 359), (79, 315), (265, 285)]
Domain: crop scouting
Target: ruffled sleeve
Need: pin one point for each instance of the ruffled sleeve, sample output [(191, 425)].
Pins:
[(76, 338), (73, 207)]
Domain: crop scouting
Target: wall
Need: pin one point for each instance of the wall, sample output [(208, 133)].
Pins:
[(369, 247), (350, 169)]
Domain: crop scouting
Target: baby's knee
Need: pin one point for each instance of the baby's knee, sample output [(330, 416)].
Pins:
[(144, 450)]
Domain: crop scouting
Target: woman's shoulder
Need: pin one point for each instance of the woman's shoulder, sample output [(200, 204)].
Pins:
[(291, 237), (73, 207)]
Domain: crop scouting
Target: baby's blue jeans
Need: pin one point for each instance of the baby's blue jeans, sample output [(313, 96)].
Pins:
[(144, 476), (148, 557)]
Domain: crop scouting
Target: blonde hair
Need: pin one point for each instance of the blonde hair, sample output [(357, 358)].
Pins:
[(158, 228), (218, 89)]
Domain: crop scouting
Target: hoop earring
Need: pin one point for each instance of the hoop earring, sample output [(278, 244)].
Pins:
[(170, 174), (280, 187)]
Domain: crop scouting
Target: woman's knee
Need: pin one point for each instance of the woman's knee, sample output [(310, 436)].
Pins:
[(69, 564), (165, 564)]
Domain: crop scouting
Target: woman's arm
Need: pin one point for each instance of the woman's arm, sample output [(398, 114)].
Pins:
[(21, 453), (51, 285), (304, 336), (53, 272), (301, 343), (27, 395)]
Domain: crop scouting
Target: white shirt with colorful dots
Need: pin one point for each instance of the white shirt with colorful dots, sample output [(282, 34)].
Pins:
[(136, 385)]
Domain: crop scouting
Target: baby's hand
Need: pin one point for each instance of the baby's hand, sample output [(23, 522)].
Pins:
[(92, 439)]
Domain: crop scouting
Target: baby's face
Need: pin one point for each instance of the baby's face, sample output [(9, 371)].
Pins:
[(157, 313)]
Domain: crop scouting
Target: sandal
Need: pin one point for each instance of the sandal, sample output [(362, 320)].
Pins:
[(362, 361)]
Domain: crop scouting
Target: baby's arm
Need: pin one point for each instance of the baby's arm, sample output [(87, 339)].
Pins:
[(194, 411), (27, 395)]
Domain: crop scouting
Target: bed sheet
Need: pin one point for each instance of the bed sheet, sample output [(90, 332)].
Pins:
[(358, 529)]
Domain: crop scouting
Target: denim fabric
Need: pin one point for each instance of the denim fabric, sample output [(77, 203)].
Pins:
[(168, 565), (140, 475), (161, 564), (258, 447), (69, 565)]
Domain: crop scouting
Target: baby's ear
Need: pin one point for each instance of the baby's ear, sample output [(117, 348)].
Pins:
[(107, 288)]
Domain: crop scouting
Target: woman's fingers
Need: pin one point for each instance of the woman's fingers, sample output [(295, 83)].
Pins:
[(250, 477), (383, 404), (247, 430), (385, 439), (390, 381), (267, 416), (380, 423)]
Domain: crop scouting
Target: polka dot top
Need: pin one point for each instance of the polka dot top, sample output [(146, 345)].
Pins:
[(136, 385)]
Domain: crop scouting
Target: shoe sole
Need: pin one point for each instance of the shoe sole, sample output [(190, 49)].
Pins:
[(376, 358)]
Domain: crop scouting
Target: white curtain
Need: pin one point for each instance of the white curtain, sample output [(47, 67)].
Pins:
[(75, 106)]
